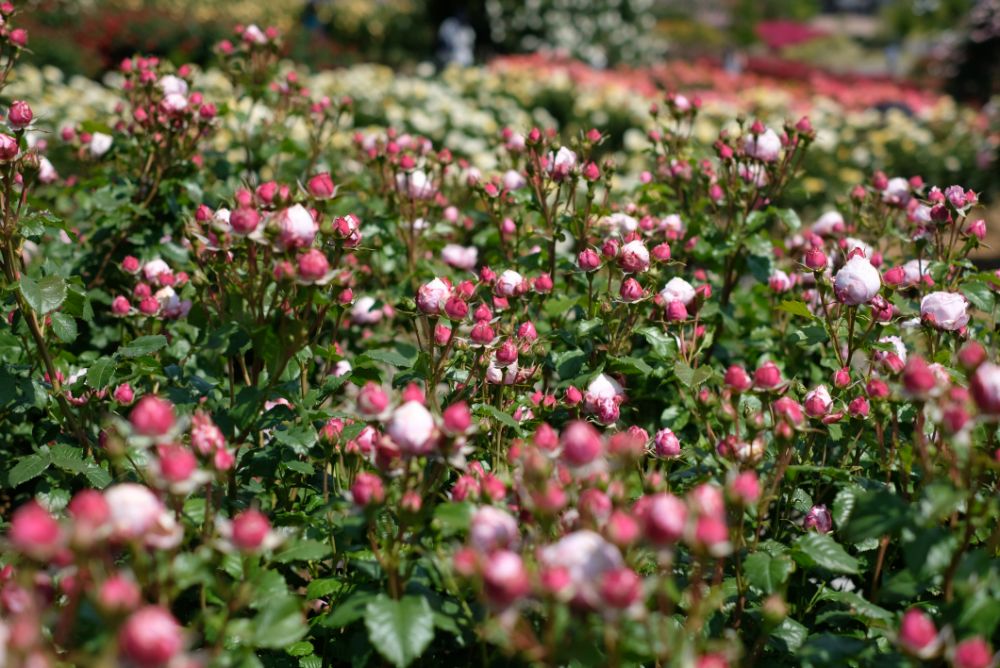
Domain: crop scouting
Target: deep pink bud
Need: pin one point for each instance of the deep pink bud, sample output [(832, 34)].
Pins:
[(151, 637), (815, 259), (581, 443), (367, 489), (916, 632), (767, 376), (152, 416), (842, 378), (321, 186), (250, 529), (589, 260), (20, 115), (737, 379), (457, 418)]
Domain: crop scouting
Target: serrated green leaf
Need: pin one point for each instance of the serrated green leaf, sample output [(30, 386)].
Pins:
[(304, 550), (486, 410), (144, 345), (796, 308), (400, 630), (27, 468), (101, 373), (44, 295), (817, 549), (279, 623), (64, 326), (767, 573)]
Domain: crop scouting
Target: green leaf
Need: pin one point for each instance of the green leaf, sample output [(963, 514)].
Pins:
[(817, 549), (875, 513), (860, 607), (323, 587), (631, 365), (767, 573), (691, 377), (796, 308), (279, 623), (348, 610), (390, 357), (790, 634), (400, 630), (453, 517), (64, 326), (304, 550), (27, 468), (144, 345), (485, 410), (101, 373), (979, 295), (45, 295)]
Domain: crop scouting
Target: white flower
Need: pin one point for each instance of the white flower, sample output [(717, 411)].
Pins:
[(857, 282), (509, 283), (678, 290), (173, 85), (154, 268), (492, 529), (99, 144), (945, 310), (586, 557), (411, 427), (513, 180), (296, 227), (460, 257), (766, 146), (363, 311), (134, 510), (829, 223)]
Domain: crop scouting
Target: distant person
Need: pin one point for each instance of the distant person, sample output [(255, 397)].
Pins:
[(457, 41)]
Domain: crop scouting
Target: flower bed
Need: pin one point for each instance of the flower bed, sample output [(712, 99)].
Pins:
[(281, 387)]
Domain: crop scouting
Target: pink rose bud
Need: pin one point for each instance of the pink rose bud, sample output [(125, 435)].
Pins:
[(973, 653), (818, 402), (413, 392), (745, 488), (767, 377), (985, 386), (8, 148), (482, 333), (506, 353), (89, 508), (367, 489), (18, 37), (321, 186), (313, 265), (266, 192), (634, 257), (842, 378), (372, 400), (946, 311), (877, 389), (609, 249), (631, 290), (20, 115), (676, 311), (894, 277), (249, 530), (918, 378), (858, 407), (123, 394), (667, 445), (815, 259), (151, 637), (527, 331), (457, 418), (917, 633), (573, 396), (581, 443), (737, 379), (152, 416), (177, 463), (591, 171), (621, 588), (588, 260), (120, 306), (543, 284), (664, 519), (119, 594), (505, 579), (244, 220), (972, 355), (34, 532), (818, 519), (977, 229)]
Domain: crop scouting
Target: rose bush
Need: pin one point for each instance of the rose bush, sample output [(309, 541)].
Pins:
[(282, 390)]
